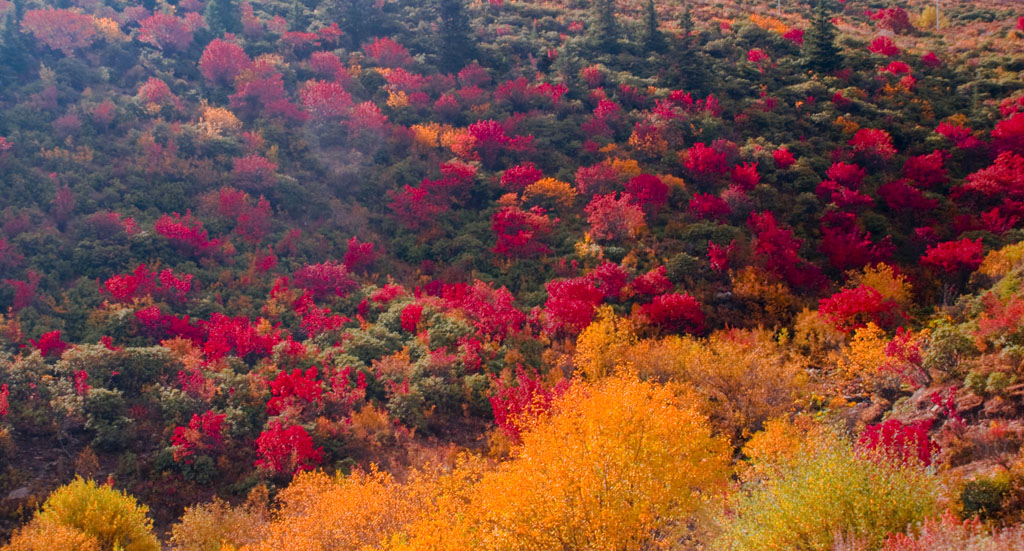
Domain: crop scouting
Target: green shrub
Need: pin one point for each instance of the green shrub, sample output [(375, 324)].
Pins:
[(983, 497), (829, 489)]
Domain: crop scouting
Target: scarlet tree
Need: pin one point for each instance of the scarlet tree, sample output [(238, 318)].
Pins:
[(165, 32), (62, 30), (222, 61)]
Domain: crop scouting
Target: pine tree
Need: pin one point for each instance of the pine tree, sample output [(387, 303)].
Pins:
[(690, 67), (456, 44), (223, 16), (298, 20), (653, 38), (820, 52), (360, 19), (13, 48), (686, 26), (604, 30)]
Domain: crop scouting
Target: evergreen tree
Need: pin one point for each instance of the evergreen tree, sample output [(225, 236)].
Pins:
[(820, 51), (690, 68), (653, 38), (360, 19), (223, 16), (13, 50), (604, 29), (686, 26), (455, 41), (298, 20)]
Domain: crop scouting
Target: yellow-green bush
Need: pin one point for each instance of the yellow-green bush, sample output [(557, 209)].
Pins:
[(828, 490), (113, 519)]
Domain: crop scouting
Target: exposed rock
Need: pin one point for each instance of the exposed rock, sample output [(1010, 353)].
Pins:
[(20, 493)]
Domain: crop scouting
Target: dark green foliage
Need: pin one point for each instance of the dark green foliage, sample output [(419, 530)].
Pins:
[(820, 51), (298, 19), (455, 43), (652, 37), (223, 16), (359, 19), (105, 416), (983, 497), (604, 28)]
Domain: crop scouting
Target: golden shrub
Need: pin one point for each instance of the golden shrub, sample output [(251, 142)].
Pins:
[(550, 193), (604, 345)]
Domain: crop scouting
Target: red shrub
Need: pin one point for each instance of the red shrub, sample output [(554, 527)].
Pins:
[(410, 317), (895, 441), (927, 170), (783, 158), (287, 450), (520, 233), (675, 312), (358, 255), (873, 141), (850, 309), (570, 304), (295, 389), (516, 406), (653, 283), (647, 191), (387, 53), (953, 257), (705, 206), (50, 344), (62, 30), (614, 218), (166, 32), (222, 61), (125, 287), (883, 45), (901, 196), (185, 231), (894, 19), (745, 176), (520, 177), (325, 100), (253, 172), (1008, 134), (325, 278), (703, 160), (203, 434), (415, 208)]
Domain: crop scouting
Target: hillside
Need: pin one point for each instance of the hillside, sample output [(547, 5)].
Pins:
[(512, 274)]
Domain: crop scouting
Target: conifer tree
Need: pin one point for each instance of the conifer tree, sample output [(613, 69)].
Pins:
[(653, 38), (298, 20), (455, 39), (686, 26), (13, 48), (359, 19), (820, 52), (604, 29), (690, 68), (223, 16)]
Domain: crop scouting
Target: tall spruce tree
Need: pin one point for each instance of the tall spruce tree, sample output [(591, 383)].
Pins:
[(223, 16), (604, 28), (298, 19), (360, 19), (455, 42), (13, 49), (686, 27), (690, 65), (653, 38), (820, 52)]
